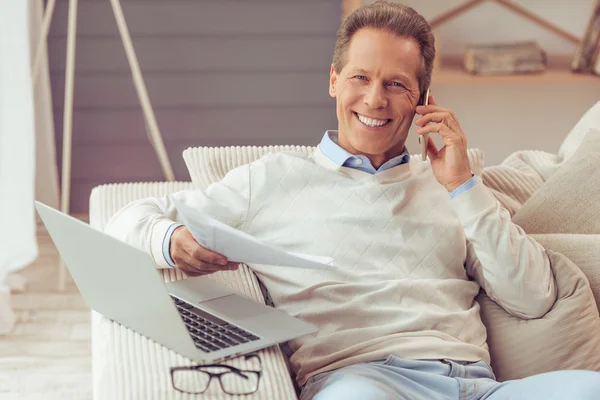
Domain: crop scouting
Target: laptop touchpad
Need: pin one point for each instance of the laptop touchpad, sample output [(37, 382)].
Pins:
[(236, 307)]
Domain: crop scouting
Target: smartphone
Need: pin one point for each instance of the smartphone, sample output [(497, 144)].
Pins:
[(424, 138)]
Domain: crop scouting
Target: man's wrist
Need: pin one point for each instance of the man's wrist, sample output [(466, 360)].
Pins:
[(465, 187), (451, 187)]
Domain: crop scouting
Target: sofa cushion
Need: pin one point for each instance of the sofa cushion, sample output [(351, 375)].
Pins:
[(519, 176), (582, 249), (589, 120), (567, 337), (568, 200), (563, 216), (207, 165)]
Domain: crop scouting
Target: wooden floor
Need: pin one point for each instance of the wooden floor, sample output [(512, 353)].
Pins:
[(48, 354)]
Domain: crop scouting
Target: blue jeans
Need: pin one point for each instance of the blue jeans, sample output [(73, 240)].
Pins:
[(397, 378)]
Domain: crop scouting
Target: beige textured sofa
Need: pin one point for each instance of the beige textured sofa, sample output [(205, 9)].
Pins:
[(128, 366)]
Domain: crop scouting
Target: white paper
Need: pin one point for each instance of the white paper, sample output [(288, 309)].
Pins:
[(239, 246)]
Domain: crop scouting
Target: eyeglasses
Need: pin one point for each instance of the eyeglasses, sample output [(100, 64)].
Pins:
[(196, 379)]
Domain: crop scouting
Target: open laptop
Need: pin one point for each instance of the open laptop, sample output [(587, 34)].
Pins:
[(198, 318)]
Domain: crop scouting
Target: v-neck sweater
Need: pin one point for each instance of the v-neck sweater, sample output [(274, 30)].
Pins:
[(408, 259)]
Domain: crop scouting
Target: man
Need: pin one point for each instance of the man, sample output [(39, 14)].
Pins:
[(396, 312)]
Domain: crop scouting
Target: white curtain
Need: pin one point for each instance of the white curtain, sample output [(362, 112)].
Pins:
[(46, 171), (18, 124)]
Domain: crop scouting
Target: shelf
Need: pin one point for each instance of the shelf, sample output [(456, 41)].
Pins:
[(457, 75), (558, 71)]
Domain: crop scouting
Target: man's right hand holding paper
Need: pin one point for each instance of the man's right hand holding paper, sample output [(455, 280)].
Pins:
[(194, 259)]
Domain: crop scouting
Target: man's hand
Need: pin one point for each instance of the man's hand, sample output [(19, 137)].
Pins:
[(194, 259), (450, 164)]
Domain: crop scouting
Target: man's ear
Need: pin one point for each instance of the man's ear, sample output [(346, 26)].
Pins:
[(332, 81)]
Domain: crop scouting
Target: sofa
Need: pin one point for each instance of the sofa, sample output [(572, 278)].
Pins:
[(127, 365)]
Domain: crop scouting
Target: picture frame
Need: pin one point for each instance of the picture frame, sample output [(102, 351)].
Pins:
[(586, 57)]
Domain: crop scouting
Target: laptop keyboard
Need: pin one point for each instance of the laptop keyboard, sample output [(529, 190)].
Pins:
[(209, 332)]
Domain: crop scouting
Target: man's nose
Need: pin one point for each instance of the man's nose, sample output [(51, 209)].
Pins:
[(375, 98)]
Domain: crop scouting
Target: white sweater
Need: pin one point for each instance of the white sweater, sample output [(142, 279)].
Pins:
[(409, 260)]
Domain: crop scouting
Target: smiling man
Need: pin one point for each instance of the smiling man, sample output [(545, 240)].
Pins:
[(413, 241), (376, 83)]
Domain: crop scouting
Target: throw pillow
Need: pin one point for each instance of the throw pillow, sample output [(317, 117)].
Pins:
[(568, 200), (567, 337), (582, 249)]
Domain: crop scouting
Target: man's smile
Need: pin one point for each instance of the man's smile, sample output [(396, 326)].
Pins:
[(371, 122)]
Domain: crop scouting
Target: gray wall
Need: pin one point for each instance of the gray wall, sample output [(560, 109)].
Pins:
[(219, 72)]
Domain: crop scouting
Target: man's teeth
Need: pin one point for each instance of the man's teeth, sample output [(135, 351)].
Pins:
[(371, 122)]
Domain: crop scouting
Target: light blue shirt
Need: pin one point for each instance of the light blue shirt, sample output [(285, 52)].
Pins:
[(335, 153), (329, 146), (341, 157), (167, 243)]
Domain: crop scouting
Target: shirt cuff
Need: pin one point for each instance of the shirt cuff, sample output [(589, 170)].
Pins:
[(167, 244), (471, 183), (157, 242)]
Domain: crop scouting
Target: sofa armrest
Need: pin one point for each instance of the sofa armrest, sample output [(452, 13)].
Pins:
[(126, 364), (106, 200)]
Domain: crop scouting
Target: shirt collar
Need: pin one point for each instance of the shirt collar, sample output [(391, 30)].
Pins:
[(338, 155)]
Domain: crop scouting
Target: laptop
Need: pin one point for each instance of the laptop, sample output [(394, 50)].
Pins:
[(198, 318)]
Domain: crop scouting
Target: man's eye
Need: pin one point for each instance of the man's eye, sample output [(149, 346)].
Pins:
[(361, 77), (396, 84)]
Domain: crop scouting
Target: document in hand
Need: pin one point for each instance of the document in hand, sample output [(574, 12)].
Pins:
[(239, 246)]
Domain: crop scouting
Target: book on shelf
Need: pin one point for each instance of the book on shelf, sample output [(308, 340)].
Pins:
[(505, 58)]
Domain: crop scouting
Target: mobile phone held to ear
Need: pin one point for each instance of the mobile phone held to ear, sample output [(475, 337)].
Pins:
[(425, 137)]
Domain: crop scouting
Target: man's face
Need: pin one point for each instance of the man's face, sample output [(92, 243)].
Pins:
[(376, 94)]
